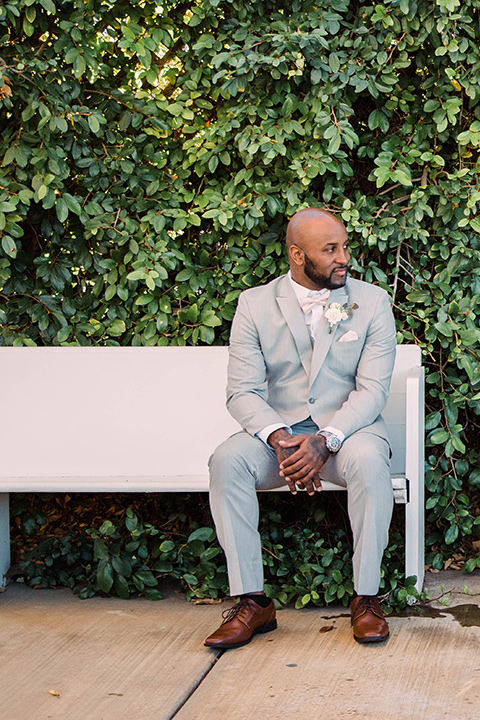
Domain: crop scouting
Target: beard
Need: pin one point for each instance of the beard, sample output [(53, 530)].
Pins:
[(322, 281)]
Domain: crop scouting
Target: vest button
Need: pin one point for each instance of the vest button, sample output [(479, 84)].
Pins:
[(311, 400)]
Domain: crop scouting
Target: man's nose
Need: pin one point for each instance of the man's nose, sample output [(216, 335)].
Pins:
[(343, 256)]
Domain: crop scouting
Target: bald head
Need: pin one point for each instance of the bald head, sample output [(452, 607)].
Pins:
[(309, 220), (317, 246)]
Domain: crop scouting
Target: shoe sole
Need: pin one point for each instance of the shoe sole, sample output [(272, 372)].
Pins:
[(259, 631), (373, 639)]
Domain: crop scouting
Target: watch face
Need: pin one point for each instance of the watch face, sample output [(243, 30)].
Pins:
[(333, 443)]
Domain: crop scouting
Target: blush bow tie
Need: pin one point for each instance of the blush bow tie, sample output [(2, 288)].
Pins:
[(308, 303)]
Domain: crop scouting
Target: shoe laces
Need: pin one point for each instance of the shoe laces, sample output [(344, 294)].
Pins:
[(368, 603), (236, 610)]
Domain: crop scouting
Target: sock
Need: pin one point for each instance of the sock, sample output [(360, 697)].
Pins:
[(261, 600)]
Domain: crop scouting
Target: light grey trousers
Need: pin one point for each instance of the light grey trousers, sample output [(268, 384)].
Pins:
[(244, 464)]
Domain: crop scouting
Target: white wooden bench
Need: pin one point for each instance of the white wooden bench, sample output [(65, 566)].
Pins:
[(130, 419)]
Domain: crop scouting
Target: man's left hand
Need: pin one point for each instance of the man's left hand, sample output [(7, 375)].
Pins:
[(304, 466)]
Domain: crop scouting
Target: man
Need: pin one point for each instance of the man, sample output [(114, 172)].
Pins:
[(310, 360)]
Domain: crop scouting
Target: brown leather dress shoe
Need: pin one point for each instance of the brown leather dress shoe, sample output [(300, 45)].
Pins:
[(368, 622), (241, 623)]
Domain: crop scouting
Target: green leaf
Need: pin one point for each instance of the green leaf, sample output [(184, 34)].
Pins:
[(122, 565), (28, 28), (210, 319), (207, 335), (458, 444), (120, 585), (94, 124), (470, 565), (213, 163), (9, 246), (125, 120), (432, 420), (444, 328), (337, 576), (152, 594), (377, 119), (9, 156), (100, 551), (64, 333), (451, 534), (204, 534), (79, 65), (146, 577), (184, 275), (402, 176), (334, 144), (61, 208), (131, 522), (49, 6), (175, 108), (167, 546), (438, 437), (190, 579), (72, 203), (116, 328), (105, 576), (196, 548), (163, 566), (110, 292), (137, 275), (474, 478), (334, 62)]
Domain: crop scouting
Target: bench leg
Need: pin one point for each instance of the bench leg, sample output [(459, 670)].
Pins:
[(415, 454), (4, 539), (414, 540)]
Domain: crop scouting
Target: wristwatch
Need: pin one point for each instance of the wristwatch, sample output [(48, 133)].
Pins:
[(332, 442)]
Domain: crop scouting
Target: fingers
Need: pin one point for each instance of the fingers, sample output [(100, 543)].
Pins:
[(292, 441), (301, 467), (310, 482), (308, 456), (298, 465), (293, 462), (304, 452), (291, 486)]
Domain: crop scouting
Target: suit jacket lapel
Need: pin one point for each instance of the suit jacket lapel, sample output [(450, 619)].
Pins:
[(295, 320), (324, 338)]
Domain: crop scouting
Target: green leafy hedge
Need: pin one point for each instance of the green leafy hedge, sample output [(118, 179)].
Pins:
[(307, 551), (153, 150)]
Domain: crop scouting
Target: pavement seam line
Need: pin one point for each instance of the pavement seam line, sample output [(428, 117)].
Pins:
[(195, 687)]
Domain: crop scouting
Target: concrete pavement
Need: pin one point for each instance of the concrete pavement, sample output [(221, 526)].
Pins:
[(114, 659)]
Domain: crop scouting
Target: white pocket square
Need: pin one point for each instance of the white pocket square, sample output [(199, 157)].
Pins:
[(349, 336)]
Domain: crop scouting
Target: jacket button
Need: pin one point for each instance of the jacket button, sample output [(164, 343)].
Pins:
[(311, 400)]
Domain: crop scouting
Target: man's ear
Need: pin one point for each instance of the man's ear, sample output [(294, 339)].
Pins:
[(297, 256)]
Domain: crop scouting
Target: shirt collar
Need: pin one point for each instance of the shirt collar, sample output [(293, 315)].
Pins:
[(300, 290)]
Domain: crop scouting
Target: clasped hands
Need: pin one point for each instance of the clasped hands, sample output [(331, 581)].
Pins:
[(300, 458)]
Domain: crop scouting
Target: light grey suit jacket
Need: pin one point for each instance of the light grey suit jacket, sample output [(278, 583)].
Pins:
[(276, 376)]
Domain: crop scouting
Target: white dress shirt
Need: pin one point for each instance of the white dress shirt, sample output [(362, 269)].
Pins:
[(312, 319)]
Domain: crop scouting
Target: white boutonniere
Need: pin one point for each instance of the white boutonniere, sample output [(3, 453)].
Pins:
[(335, 313)]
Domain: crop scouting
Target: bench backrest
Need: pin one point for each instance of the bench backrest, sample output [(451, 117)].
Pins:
[(98, 412)]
